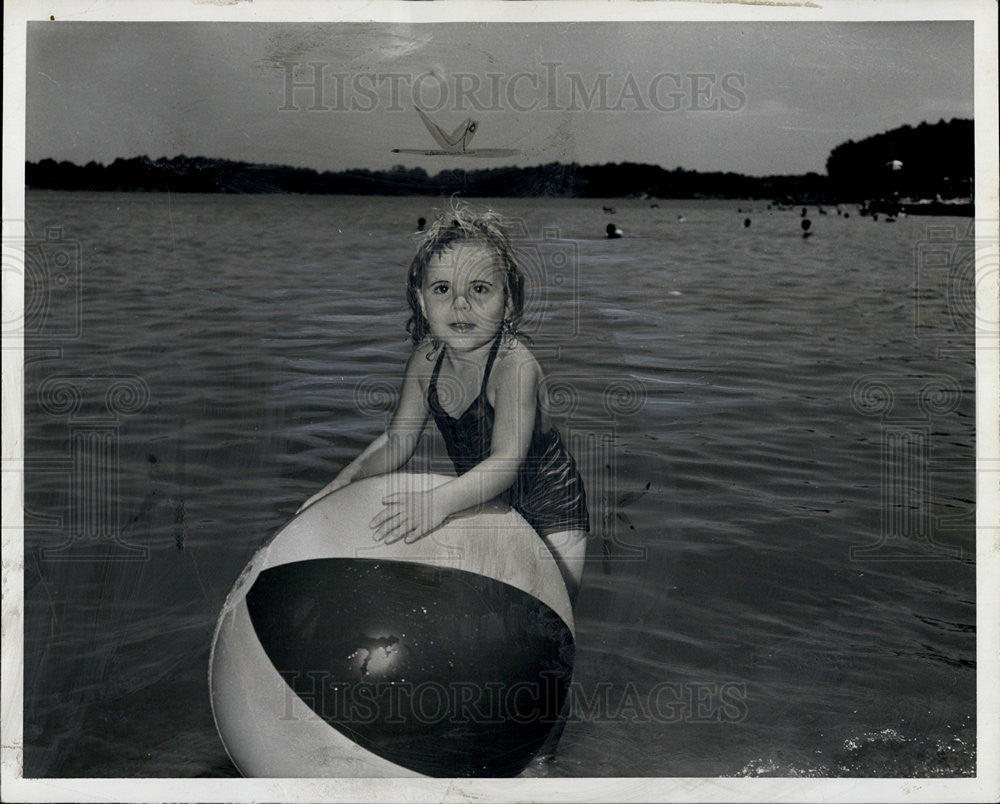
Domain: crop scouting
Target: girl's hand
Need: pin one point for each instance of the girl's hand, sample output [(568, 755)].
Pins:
[(408, 515), (345, 478)]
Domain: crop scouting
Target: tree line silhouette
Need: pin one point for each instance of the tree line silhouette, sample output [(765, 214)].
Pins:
[(936, 159), (183, 174), (909, 162)]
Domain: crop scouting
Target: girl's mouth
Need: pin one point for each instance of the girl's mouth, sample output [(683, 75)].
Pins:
[(462, 326)]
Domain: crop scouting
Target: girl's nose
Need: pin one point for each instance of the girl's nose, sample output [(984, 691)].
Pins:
[(461, 302)]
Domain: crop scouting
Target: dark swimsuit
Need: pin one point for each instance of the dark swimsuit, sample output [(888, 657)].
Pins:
[(548, 491)]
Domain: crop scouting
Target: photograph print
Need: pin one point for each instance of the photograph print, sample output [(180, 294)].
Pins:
[(494, 396)]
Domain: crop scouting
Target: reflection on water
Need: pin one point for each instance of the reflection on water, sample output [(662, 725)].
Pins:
[(777, 435)]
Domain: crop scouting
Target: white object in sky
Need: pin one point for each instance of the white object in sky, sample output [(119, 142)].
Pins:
[(894, 165), (456, 143)]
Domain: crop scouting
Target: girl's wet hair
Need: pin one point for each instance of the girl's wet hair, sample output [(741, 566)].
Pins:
[(456, 226)]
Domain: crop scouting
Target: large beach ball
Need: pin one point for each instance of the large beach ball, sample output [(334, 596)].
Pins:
[(336, 655)]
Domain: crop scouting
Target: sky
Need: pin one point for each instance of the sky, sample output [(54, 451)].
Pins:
[(750, 97)]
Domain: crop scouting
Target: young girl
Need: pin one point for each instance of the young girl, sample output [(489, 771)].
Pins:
[(473, 374)]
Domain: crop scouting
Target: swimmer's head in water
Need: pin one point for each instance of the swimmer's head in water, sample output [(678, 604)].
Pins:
[(463, 226)]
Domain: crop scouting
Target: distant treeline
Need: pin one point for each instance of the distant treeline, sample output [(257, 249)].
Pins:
[(936, 159), (915, 162), (183, 174)]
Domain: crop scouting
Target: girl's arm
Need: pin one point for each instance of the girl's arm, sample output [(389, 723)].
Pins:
[(396, 445), (412, 515)]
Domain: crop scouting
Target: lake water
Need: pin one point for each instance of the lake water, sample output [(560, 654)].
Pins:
[(792, 595)]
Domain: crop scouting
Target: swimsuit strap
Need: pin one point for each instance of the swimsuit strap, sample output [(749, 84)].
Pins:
[(489, 365), (432, 388)]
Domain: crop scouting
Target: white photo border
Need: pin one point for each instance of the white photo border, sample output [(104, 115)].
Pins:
[(984, 787)]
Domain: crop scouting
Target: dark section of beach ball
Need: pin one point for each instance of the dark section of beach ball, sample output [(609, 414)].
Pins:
[(439, 670)]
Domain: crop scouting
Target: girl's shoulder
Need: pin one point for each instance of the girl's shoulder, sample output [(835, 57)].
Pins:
[(423, 350), (421, 360), (516, 359)]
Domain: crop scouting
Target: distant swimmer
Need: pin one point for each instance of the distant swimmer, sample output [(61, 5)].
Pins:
[(421, 223), (613, 231), (746, 223), (609, 210), (806, 226), (681, 219), (804, 212)]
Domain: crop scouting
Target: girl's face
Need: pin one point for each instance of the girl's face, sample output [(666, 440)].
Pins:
[(463, 296)]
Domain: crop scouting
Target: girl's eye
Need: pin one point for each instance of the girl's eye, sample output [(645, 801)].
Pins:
[(440, 289), (480, 289)]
